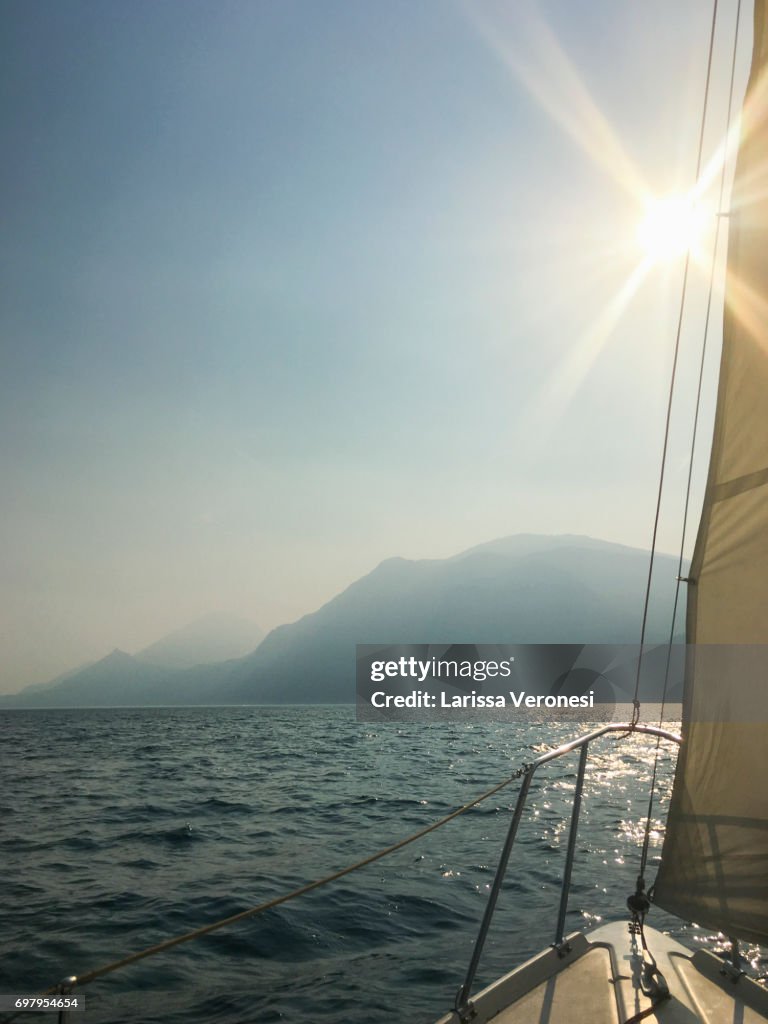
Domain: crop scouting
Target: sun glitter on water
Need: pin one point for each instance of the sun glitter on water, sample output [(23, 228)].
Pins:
[(671, 227)]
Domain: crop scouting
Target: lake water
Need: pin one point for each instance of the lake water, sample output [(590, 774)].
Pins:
[(122, 827)]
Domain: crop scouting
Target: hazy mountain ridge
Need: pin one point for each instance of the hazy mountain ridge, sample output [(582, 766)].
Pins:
[(520, 589), (150, 676), (214, 637), (116, 679), (574, 590)]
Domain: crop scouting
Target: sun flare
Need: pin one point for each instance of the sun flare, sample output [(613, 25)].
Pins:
[(671, 227)]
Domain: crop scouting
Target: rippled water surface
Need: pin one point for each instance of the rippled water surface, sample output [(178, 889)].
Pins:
[(122, 827)]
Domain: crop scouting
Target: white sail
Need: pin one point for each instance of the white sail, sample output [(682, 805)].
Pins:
[(714, 866)]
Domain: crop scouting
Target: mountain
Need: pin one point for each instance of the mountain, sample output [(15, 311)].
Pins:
[(118, 679), (51, 683), (521, 589), (215, 637)]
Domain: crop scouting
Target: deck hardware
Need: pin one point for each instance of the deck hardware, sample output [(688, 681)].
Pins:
[(64, 988), (462, 1005), (565, 888), (465, 1009), (732, 968)]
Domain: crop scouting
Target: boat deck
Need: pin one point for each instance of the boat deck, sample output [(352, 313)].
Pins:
[(598, 982), (582, 992)]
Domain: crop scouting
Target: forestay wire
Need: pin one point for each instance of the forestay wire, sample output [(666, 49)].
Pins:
[(707, 320), (673, 377)]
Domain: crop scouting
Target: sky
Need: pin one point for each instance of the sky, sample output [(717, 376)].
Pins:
[(292, 287)]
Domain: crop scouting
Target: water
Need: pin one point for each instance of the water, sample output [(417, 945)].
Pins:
[(122, 827)]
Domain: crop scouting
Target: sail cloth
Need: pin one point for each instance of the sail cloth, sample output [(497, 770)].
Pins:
[(714, 867)]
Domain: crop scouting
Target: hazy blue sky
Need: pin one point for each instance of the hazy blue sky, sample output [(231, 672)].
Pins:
[(292, 287)]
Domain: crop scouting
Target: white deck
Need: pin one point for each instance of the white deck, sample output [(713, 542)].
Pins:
[(598, 982)]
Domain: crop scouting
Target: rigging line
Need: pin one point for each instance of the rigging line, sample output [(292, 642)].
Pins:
[(678, 333), (718, 219), (98, 972), (652, 982)]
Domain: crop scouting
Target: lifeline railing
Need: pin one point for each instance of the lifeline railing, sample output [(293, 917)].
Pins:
[(462, 1004), (525, 772)]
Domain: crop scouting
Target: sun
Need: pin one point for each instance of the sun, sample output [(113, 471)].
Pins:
[(671, 227)]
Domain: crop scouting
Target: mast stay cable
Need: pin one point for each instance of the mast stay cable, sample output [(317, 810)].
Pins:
[(673, 377), (699, 387)]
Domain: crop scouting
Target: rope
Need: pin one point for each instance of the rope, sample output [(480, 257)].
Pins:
[(160, 947), (678, 333), (644, 854), (652, 982)]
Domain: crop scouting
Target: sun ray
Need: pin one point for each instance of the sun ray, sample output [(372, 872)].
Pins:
[(535, 57), (546, 406), (673, 226), (748, 308), (742, 129), (549, 76)]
